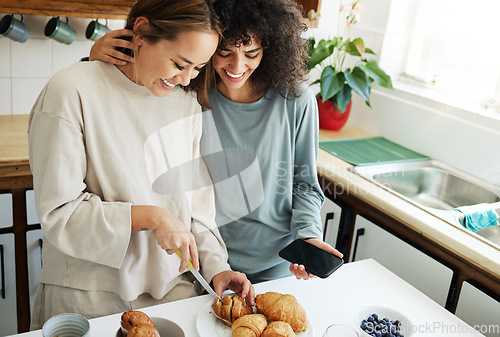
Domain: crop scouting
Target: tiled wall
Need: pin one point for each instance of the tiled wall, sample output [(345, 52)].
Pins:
[(26, 67)]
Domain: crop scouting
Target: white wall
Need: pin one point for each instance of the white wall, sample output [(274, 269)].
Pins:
[(26, 67), (458, 137)]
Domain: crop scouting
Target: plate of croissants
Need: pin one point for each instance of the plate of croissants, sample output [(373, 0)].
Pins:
[(274, 315)]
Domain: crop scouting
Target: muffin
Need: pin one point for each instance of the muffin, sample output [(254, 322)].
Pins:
[(143, 330), (133, 318)]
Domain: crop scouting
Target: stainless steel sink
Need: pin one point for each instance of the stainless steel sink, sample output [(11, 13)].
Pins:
[(434, 186)]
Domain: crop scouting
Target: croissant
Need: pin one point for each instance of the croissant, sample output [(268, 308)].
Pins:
[(278, 329), (249, 326), (230, 308), (279, 307)]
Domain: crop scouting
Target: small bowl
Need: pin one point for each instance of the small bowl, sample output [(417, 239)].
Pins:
[(384, 312), (164, 326), (66, 325)]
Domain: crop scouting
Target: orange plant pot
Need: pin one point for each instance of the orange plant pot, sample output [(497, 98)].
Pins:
[(330, 117)]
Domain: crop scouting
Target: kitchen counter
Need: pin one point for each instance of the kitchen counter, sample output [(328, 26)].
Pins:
[(336, 299), (465, 244), (457, 241), (14, 145), (479, 256)]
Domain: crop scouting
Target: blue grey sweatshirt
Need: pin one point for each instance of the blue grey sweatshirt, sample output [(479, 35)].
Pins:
[(262, 158)]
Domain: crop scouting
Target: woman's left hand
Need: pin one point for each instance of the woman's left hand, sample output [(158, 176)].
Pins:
[(237, 282), (300, 271)]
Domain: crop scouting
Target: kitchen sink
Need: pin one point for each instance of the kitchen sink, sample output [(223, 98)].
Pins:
[(436, 187)]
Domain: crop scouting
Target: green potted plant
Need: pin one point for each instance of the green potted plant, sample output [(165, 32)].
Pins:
[(337, 81)]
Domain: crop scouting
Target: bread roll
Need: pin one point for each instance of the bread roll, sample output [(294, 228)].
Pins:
[(278, 329), (143, 330), (249, 326), (133, 318), (230, 308), (280, 307)]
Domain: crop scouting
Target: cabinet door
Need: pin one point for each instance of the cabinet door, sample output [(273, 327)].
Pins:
[(479, 310), (6, 219), (8, 306), (424, 273), (31, 215), (330, 218), (34, 241)]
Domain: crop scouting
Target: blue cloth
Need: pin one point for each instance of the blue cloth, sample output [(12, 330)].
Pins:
[(479, 216), (262, 159)]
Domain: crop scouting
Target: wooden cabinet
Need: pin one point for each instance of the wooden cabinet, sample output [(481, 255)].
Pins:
[(8, 307), (8, 304), (14, 229), (110, 9)]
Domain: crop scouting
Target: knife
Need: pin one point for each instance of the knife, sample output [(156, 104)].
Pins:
[(198, 276)]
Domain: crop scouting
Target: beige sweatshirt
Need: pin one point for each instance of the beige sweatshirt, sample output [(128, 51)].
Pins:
[(99, 143)]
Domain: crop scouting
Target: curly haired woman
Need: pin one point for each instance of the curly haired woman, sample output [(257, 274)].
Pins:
[(260, 140)]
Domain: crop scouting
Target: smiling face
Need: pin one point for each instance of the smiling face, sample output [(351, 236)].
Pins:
[(163, 65), (235, 65)]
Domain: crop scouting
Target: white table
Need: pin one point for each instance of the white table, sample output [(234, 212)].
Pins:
[(336, 299)]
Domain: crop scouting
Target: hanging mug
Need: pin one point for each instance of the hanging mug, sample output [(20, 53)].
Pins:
[(96, 30), (60, 31), (14, 29)]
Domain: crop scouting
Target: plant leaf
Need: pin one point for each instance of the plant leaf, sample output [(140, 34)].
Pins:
[(358, 81), (373, 70), (369, 51), (343, 98), (331, 82), (356, 47), (323, 50), (311, 42), (359, 45)]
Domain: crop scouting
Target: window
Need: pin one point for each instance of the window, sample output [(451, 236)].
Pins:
[(453, 46)]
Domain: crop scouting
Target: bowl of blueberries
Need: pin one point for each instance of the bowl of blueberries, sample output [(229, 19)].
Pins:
[(377, 321)]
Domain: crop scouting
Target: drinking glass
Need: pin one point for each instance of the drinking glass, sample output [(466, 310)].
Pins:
[(340, 330)]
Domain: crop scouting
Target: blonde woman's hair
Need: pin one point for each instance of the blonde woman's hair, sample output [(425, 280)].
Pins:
[(167, 19)]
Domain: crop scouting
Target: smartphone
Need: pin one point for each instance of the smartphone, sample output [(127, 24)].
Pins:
[(316, 261)]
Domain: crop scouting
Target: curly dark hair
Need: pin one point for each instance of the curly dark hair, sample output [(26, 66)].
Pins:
[(278, 25)]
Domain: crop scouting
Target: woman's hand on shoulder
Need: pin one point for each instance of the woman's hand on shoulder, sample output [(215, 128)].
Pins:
[(300, 271), (170, 233), (237, 282), (104, 48)]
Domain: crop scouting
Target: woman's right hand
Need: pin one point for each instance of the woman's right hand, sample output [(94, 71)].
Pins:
[(104, 48), (170, 233)]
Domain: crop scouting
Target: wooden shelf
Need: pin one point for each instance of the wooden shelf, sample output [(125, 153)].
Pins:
[(109, 9), (106, 9)]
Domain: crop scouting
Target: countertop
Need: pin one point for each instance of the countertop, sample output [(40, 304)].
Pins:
[(465, 244), (14, 159), (336, 299), (14, 139), (462, 242)]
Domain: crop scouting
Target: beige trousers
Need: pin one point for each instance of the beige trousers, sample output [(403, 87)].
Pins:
[(53, 300)]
